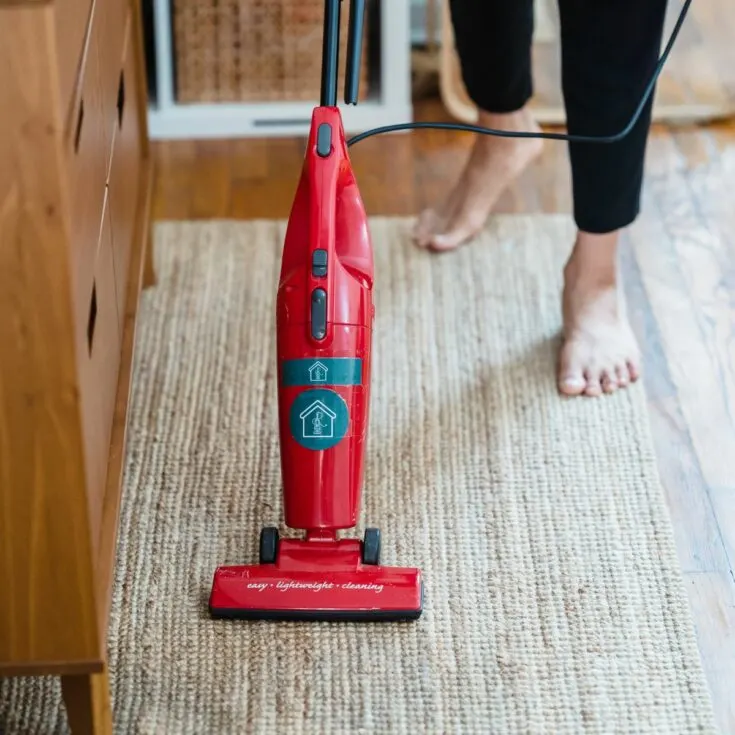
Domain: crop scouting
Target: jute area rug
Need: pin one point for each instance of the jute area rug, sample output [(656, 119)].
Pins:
[(554, 601)]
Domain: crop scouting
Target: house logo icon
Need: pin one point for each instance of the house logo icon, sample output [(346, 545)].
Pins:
[(318, 373), (317, 421), (319, 418)]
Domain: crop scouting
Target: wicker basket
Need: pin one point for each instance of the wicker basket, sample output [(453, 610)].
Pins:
[(253, 50)]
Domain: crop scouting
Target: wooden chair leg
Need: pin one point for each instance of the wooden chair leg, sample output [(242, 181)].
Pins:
[(87, 701)]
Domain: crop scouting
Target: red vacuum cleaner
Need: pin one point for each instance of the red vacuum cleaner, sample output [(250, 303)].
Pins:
[(324, 319)]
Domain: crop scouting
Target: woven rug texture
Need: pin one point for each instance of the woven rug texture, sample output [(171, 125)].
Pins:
[(554, 600)]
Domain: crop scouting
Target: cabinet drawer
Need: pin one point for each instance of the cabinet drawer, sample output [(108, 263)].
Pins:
[(86, 151), (99, 371), (70, 27), (125, 169), (111, 20)]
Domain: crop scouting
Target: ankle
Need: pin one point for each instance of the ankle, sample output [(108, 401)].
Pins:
[(516, 121), (593, 259)]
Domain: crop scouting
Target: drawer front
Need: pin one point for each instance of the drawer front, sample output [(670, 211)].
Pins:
[(70, 26), (99, 371), (86, 155), (125, 170), (111, 19)]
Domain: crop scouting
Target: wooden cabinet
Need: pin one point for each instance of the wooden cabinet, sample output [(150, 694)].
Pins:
[(75, 185)]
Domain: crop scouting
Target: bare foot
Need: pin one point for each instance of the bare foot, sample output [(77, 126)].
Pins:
[(600, 353), (492, 165)]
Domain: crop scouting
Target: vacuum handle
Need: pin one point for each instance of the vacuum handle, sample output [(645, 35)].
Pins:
[(354, 51), (330, 53)]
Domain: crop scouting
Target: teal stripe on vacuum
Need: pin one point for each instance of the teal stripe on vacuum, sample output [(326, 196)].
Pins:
[(322, 371)]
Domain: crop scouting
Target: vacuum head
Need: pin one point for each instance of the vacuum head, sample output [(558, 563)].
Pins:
[(317, 579)]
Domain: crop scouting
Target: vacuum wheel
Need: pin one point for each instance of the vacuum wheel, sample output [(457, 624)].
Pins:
[(371, 547), (268, 545)]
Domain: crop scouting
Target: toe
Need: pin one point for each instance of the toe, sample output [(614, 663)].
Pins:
[(633, 371), (464, 225), (453, 237), (426, 226), (571, 380), (593, 386), (572, 385), (609, 381), (622, 375)]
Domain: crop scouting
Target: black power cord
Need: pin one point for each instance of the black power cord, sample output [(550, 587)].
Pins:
[(550, 136)]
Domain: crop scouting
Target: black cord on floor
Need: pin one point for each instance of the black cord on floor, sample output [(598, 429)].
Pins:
[(549, 136)]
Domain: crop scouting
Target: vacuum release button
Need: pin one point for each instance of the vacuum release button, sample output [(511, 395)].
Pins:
[(319, 313), (324, 140), (319, 263)]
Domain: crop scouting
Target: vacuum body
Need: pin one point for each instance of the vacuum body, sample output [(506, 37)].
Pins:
[(324, 322)]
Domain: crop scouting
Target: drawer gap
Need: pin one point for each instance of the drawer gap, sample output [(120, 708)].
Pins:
[(121, 98), (92, 321), (78, 133)]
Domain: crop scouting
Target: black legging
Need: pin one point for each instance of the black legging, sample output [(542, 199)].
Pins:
[(609, 51)]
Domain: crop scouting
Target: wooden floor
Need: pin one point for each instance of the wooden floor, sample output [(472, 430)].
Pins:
[(679, 265)]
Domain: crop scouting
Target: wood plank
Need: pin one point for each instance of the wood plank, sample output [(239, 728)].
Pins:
[(712, 600), (248, 162), (175, 165), (210, 188), (270, 199), (711, 277), (693, 147), (721, 682), (723, 503), (285, 157), (696, 527), (385, 173), (683, 260)]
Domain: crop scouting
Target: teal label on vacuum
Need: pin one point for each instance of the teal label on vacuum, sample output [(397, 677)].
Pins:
[(319, 419), (322, 371)]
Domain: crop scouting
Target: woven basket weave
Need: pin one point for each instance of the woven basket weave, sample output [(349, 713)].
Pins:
[(253, 50)]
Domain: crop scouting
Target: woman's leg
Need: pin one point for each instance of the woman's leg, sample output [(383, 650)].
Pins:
[(493, 42), (609, 51)]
